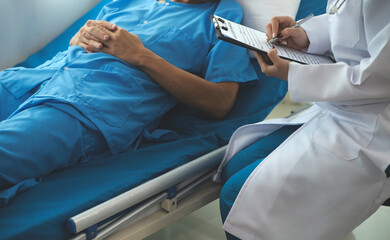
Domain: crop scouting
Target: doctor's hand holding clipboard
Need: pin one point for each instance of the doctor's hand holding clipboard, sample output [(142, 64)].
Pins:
[(286, 31)]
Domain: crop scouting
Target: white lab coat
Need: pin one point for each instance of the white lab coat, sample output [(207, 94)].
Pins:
[(328, 176)]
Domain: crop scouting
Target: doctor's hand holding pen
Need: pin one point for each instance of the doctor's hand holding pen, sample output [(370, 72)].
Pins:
[(286, 31)]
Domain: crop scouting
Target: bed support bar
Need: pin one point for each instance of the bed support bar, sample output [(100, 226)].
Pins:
[(138, 194)]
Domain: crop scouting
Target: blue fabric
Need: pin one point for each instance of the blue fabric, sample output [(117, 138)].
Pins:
[(119, 99), (44, 209), (183, 134), (40, 126), (41, 212), (232, 188), (306, 7), (12, 103)]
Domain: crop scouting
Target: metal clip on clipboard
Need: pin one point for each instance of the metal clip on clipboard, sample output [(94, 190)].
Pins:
[(220, 23), (217, 21)]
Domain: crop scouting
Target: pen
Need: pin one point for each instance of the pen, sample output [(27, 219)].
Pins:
[(297, 24)]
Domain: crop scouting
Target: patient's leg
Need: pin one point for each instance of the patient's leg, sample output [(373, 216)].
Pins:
[(257, 150), (38, 141)]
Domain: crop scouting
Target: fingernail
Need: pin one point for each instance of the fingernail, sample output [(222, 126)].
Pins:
[(284, 42), (280, 35), (105, 37), (273, 35), (113, 25)]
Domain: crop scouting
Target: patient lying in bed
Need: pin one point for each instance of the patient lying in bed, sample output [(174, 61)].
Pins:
[(113, 83)]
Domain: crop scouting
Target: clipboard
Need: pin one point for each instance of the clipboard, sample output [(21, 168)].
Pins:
[(256, 40)]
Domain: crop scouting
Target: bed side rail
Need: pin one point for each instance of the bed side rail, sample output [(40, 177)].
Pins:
[(138, 194)]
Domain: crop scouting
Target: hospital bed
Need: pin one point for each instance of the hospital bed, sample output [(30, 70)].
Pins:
[(131, 195)]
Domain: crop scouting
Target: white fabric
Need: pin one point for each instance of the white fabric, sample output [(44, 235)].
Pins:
[(318, 32), (258, 13), (327, 177)]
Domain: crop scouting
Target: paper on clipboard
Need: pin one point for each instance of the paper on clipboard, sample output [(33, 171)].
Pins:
[(256, 40)]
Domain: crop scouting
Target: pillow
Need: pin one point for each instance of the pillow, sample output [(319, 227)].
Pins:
[(258, 13)]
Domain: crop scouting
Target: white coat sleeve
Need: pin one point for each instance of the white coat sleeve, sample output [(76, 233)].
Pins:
[(367, 82), (317, 30)]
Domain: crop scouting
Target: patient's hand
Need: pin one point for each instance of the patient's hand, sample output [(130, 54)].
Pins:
[(126, 46), (93, 35)]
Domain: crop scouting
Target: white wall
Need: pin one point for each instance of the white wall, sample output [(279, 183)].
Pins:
[(28, 25)]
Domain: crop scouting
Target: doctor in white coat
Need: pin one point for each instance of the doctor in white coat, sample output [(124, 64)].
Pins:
[(333, 172)]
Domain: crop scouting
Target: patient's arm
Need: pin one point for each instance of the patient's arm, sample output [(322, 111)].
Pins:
[(93, 35), (216, 99)]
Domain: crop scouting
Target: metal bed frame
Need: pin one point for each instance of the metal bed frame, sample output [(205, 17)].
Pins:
[(179, 192)]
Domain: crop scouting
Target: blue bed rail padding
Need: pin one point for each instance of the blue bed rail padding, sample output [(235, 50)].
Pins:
[(70, 225)]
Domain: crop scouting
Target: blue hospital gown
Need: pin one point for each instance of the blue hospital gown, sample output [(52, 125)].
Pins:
[(116, 98)]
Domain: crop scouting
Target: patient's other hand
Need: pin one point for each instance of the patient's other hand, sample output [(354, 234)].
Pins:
[(93, 35)]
